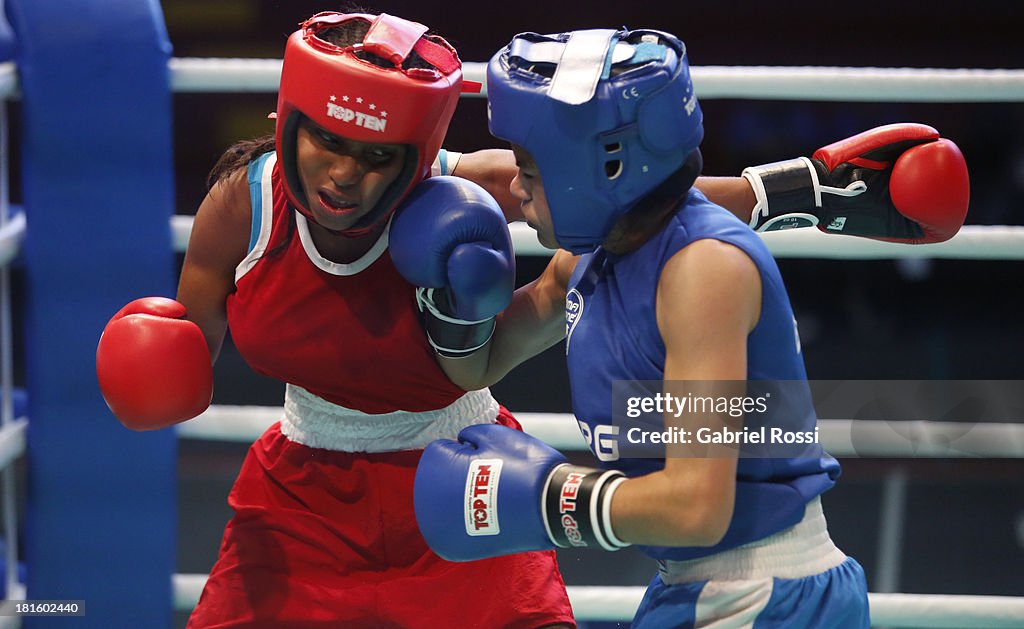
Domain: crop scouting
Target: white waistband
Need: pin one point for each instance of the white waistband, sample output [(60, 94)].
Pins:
[(317, 423), (802, 550)]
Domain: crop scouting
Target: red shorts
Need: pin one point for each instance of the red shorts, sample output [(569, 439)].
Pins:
[(329, 539)]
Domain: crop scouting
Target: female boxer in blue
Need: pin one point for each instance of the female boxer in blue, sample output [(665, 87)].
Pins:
[(670, 288)]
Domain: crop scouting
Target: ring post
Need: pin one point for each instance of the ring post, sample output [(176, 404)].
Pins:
[(98, 195)]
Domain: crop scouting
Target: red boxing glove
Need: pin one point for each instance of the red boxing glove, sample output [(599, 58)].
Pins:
[(898, 183), (153, 365)]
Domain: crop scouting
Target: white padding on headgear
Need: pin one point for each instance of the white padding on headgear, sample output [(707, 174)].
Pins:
[(581, 66)]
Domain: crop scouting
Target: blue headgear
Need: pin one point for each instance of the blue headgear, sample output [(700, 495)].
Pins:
[(607, 115)]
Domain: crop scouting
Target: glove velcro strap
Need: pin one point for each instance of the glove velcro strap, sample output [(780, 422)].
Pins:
[(576, 504), (451, 337), (788, 193)]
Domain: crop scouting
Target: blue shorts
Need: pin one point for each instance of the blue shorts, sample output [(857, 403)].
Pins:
[(836, 598)]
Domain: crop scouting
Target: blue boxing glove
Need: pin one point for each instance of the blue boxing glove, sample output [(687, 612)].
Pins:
[(450, 239), (498, 491)]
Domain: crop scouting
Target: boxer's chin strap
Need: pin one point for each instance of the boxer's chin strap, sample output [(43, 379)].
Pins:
[(576, 504), (450, 336)]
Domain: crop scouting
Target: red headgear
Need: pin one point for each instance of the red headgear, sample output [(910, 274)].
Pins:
[(356, 99)]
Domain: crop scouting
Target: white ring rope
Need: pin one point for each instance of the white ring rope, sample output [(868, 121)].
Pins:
[(891, 610), (859, 84), (973, 242), (192, 74), (196, 74), (12, 441), (12, 232), (8, 80), (840, 437)]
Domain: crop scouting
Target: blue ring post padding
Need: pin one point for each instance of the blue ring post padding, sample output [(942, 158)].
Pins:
[(98, 194)]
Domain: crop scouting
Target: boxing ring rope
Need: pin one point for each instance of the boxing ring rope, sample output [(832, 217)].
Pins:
[(760, 82), (926, 439), (8, 79), (12, 232), (873, 438), (973, 242), (891, 610), (618, 603)]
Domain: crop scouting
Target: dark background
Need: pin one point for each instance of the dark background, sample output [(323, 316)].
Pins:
[(941, 319)]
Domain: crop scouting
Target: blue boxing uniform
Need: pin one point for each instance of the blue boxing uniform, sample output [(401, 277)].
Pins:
[(774, 496)]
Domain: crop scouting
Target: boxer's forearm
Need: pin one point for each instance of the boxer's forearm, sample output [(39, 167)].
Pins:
[(493, 170), (732, 193)]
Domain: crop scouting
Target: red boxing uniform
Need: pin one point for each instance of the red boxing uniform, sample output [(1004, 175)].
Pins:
[(349, 333), (324, 533)]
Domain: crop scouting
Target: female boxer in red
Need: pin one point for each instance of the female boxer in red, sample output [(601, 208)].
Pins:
[(324, 533)]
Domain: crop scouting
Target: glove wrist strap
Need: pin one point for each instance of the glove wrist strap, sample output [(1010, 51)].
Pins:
[(788, 194), (450, 336), (576, 504)]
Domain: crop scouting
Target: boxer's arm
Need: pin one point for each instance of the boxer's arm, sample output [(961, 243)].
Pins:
[(493, 170), (533, 322), (451, 240), (708, 301), (732, 193), (154, 358), (497, 491), (218, 243)]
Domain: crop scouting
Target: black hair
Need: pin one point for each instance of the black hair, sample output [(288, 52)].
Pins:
[(238, 156)]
